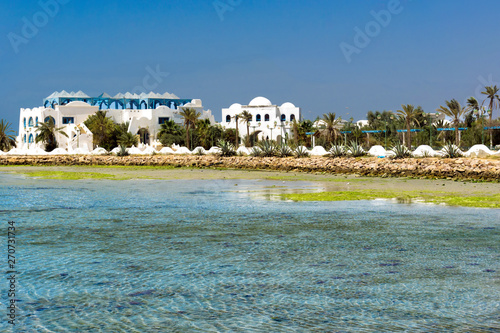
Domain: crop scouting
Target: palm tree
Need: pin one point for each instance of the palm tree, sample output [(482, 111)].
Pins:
[(472, 104), (127, 139), (102, 128), (47, 134), (330, 130), (247, 118), (491, 93), (170, 133), (409, 114), (455, 111), (7, 138), (190, 116)]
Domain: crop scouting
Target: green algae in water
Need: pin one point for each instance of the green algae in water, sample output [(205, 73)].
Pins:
[(436, 197)]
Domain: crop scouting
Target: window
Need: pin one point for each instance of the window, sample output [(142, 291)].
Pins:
[(292, 117), (24, 125), (30, 140), (49, 119), (283, 117), (228, 119), (258, 118), (266, 117), (30, 122), (163, 120), (68, 120), (36, 121), (24, 138)]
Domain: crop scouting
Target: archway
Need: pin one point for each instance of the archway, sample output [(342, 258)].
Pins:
[(143, 136)]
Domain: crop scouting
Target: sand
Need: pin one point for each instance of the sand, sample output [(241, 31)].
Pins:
[(327, 182)]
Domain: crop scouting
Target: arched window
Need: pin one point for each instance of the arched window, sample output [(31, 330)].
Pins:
[(24, 138), (36, 121), (30, 139), (48, 119), (283, 117), (228, 119), (266, 117), (30, 122), (24, 121), (257, 117), (292, 117)]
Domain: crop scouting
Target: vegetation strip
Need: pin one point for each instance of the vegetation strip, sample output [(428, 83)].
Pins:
[(452, 199)]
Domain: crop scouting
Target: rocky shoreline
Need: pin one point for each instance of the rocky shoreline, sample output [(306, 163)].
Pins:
[(458, 169)]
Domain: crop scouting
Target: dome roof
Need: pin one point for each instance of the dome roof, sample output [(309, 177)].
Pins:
[(287, 105), (260, 101), (235, 106), (77, 103)]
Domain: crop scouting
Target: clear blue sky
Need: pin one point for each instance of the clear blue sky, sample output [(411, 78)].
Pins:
[(286, 50)]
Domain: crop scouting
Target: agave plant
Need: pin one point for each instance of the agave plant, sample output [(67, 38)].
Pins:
[(284, 151), (123, 151), (451, 151), (301, 152), (255, 152), (199, 151), (401, 151), (355, 150), (226, 148), (268, 148), (337, 151)]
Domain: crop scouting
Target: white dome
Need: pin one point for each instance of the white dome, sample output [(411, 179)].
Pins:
[(77, 103), (287, 105), (235, 106), (260, 101)]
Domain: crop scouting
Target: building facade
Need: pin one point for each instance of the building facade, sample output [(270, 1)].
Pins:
[(271, 121), (145, 114)]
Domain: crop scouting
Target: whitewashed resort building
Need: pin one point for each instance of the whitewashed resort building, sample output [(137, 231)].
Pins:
[(145, 114), (274, 122)]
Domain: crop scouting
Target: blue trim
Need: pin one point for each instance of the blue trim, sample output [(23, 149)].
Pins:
[(451, 129), (373, 131), (412, 130)]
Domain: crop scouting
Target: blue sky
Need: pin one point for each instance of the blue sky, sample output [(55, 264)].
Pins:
[(229, 51)]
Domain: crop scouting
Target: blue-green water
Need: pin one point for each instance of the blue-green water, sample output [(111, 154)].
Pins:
[(209, 256)]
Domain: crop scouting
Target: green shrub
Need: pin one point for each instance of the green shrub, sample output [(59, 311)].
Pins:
[(226, 148), (401, 151)]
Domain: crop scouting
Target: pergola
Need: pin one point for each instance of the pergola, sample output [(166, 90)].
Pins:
[(123, 101)]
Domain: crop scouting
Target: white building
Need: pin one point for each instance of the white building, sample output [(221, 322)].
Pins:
[(274, 122), (145, 114)]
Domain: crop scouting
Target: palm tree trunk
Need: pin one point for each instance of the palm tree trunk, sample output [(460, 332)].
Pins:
[(489, 125), (248, 133), (408, 135), (187, 136), (237, 135), (457, 135)]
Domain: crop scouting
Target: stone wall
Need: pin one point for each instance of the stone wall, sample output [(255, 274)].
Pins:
[(462, 168)]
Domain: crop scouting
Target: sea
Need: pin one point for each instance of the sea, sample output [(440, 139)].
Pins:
[(232, 256)]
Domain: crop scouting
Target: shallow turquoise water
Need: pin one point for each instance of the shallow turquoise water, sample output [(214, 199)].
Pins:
[(208, 256)]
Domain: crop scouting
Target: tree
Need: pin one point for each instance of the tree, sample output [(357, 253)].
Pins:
[(455, 111), (102, 128), (330, 130), (170, 133), (299, 130), (491, 93), (409, 114), (47, 133), (127, 139), (7, 138), (190, 116), (247, 118)]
